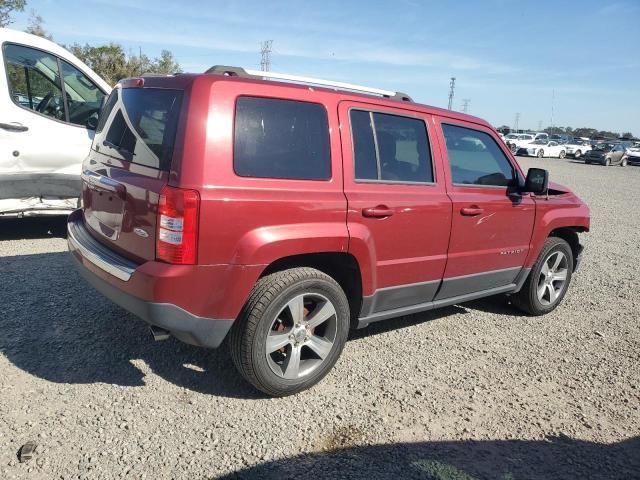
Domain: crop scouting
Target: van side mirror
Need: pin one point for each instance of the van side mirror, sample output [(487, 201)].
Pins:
[(537, 181)]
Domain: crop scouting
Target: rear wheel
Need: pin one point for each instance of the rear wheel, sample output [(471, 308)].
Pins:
[(540, 153), (549, 279), (562, 154), (607, 162), (624, 162), (578, 154), (513, 148), (291, 331)]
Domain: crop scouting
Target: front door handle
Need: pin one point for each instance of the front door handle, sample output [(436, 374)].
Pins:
[(471, 211), (381, 211), (14, 127)]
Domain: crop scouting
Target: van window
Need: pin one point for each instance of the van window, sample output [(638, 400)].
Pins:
[(143, 129), (475, 158), (83, 96), (34, 80), (281, 139), (390, 148)]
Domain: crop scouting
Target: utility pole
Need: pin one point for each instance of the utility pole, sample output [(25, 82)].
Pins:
[(539, 125), (452, 86), (553, 98), (465, 104), (515, 126), (265, 51)]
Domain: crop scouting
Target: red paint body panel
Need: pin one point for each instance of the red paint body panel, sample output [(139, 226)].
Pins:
[(246, 224)]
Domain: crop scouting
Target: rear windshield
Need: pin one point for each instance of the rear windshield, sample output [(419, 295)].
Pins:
[(141, 126)]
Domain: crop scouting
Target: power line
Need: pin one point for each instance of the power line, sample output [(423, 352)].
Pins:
[(265, 52), (465, 104), (452, 86)]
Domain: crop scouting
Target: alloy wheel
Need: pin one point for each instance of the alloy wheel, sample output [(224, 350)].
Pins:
[(553, 278), (301, 336)]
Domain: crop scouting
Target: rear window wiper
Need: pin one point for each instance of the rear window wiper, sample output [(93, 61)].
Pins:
[(118, 148)]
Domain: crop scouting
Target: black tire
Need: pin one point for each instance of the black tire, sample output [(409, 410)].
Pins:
[(540, 153), (271, 294), (563, 154), (624, 162), (513, 148), (607, 162), (578, 154), (527, 298)]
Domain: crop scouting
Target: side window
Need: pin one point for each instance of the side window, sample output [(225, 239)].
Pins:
[(475, 158), (83, 96), (106, 111), (34, 80), (390, 148), (281, 139)]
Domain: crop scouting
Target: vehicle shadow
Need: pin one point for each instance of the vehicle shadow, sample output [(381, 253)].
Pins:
[(36, 227), (553, 458), (56, 327)]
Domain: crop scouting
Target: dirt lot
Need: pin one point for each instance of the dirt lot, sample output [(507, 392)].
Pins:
[(469, 392)]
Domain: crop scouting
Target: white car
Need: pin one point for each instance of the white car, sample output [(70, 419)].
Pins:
[(49, 104), (577, 148), (515, 141), (543, 148)]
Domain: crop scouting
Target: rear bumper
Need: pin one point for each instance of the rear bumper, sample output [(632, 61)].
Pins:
[(118, 278)]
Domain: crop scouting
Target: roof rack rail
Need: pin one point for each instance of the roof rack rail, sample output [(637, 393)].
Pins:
[(258, 74)]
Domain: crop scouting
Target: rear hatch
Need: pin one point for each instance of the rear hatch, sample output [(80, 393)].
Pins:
[(128, 165)]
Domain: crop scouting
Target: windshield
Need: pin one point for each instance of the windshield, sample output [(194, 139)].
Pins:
[(603, 147), (512, 136)]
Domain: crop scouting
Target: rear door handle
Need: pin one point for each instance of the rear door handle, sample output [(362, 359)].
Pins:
[(381, 211), (471, 211), (104, 183), (14, 127)]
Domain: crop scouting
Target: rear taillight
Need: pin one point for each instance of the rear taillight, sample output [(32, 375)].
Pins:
[(177, 226)]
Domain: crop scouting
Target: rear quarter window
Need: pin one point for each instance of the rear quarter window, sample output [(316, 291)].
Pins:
[(285, 139)]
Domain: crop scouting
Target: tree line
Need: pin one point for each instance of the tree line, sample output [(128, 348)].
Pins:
[(110, 61)]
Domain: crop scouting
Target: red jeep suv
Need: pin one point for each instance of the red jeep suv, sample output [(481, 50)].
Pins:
[(277, 212)]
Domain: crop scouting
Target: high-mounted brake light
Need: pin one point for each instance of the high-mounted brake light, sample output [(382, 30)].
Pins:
[(177, 226), (131, 82)]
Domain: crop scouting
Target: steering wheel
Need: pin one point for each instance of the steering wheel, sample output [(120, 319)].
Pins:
[(45, 102)]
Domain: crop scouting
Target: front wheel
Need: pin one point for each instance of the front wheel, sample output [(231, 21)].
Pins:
[(540, 153), (578, 154), (607, 162), (624, 162), (291, 331), (549, 279), (562, 154)]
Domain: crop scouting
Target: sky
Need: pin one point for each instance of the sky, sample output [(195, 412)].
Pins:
[(573, 63)]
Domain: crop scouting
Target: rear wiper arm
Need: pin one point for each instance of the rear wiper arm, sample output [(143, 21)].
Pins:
[(118, 148)]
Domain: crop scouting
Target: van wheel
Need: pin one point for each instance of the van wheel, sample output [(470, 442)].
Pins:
[(291, 331), (540, 153), (549, 279)]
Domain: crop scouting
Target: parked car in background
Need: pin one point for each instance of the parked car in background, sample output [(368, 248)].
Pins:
[(518, 140), (229, 207), (633, 154), (577, 147), (607, 154), (543, 148), (49, 103)]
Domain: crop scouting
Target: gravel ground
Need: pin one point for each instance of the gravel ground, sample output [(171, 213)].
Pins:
[(468, 392)]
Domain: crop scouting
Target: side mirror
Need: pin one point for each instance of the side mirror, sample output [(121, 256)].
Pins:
[(92, 122), (537, 181)]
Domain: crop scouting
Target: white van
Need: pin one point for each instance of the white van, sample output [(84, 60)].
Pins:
[(49, 103)]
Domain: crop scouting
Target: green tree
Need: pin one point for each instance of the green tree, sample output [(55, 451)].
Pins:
[(627, 135), (7, 8), (113, 64), (36, 26)]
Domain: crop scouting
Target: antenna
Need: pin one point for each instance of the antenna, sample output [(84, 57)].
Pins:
[(265, 52), (465, 104), (452, 86)]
